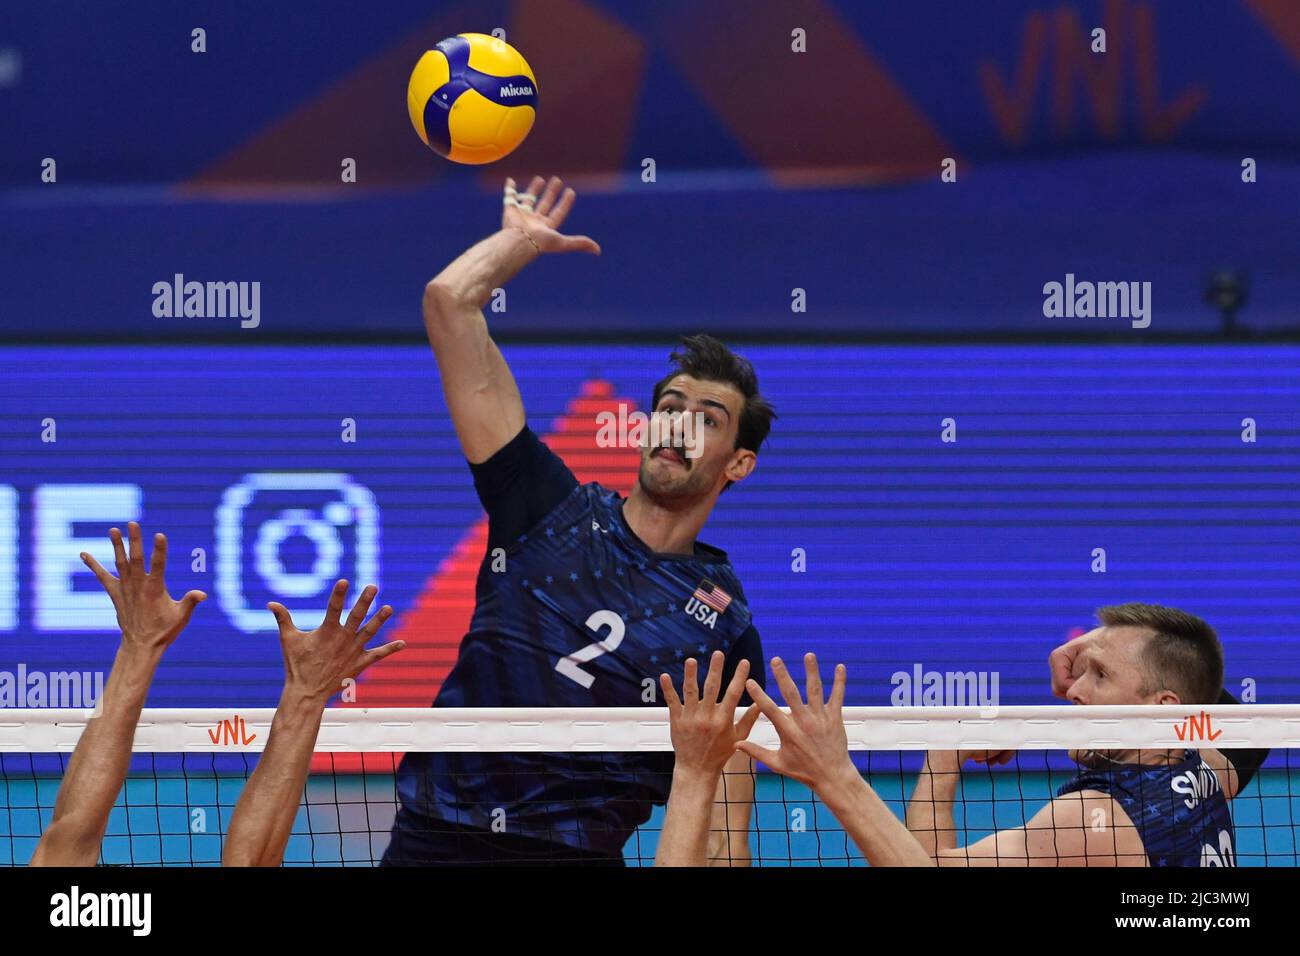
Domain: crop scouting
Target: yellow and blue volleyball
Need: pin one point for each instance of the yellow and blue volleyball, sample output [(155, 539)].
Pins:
[(472, 98)]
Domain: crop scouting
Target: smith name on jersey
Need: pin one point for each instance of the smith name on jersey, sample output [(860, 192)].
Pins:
[(1180, 811)]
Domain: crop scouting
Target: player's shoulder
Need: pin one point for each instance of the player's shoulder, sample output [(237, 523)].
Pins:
[(604, 502)]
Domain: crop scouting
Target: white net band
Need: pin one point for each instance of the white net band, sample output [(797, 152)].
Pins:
[(396, 730)]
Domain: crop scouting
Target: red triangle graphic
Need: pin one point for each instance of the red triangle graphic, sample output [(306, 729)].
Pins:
[(433, 627)]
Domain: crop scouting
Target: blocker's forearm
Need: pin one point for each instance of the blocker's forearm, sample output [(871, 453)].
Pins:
[(929, 812), (263, 818), (881, 836), (98, 765), (684, 840)]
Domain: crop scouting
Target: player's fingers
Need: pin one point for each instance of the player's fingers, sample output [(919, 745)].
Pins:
[(529, 200), (105, 579), (362, 607), (813, 682), (789, 691), (282, 616), (547, 199), (1060, 663), (375, 623), (670, 696), (578, 244), (334, 609), (561, 210), (770, 757), (137, 548), (158, 562), (379, 653), (737, 685), (713, 679), (747, 721), (837, 688), (690, 682), (119, 553), (189, 602), (779, 718)]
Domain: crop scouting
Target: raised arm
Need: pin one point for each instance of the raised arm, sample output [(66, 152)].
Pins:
[(315, 665), (733, 808), (815, 751), (704, 735), (480, 390), (929, 811), (150, 620)]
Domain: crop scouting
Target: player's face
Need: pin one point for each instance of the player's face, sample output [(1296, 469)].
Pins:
[(1109, 672), (693, 442)]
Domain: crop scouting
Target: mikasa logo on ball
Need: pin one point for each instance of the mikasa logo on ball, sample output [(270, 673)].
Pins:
[(516, 91)]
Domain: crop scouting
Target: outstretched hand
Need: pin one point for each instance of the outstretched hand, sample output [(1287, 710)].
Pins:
[(150, 620), (814, 747), (705, 730), (317, 662), (539, 215)]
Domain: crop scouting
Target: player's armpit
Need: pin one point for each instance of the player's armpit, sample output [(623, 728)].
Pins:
[(733, 806), (1229, 779), (1087, 828)]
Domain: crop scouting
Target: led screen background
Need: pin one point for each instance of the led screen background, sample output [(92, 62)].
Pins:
[(976, 554)]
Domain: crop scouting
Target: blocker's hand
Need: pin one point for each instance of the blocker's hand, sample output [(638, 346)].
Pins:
[(539, 215), (150, 620), (705, 730), (317, 662), (814, 747)]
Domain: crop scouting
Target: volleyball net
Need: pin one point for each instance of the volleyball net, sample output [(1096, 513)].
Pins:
[(189, 768)]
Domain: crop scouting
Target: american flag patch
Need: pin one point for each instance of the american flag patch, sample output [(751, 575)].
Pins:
[(712, 595)]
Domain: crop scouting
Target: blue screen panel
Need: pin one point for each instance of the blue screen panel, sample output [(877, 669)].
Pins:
[(863, 534)]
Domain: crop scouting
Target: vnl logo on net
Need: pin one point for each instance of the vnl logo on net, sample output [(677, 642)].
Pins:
[(284, 536)]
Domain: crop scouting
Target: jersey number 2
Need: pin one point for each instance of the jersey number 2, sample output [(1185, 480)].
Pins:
[(571, 667)]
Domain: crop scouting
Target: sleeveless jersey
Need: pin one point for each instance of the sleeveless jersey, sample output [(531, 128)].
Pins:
[(583, 614), (1180, 811)]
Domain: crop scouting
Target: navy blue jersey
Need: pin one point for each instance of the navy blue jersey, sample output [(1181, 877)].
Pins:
[(581, 613), (1180, 811)]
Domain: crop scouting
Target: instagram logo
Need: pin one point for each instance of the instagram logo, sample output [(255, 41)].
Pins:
[(288, 536)]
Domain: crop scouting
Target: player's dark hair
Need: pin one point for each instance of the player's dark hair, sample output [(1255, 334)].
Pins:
[(708, 359), (1183, 653)]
